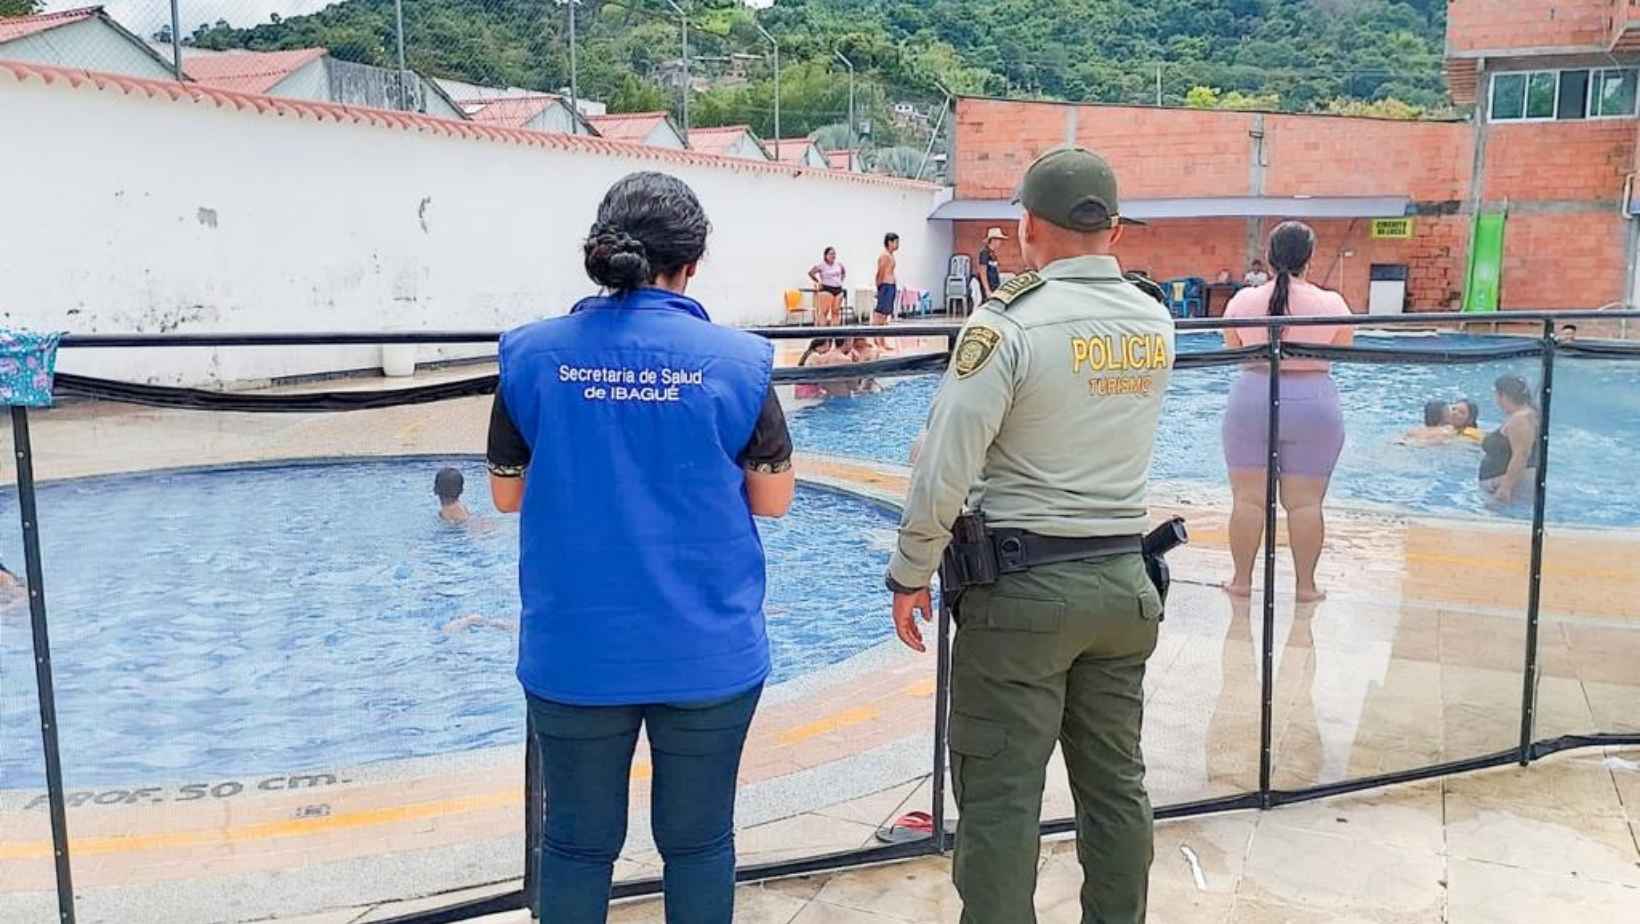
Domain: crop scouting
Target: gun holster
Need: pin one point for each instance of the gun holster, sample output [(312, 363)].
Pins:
[(1157, 543), (970, 560), (973, 559)]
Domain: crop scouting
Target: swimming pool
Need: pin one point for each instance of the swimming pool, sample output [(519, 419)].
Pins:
[(1595, 427), (292, 618)]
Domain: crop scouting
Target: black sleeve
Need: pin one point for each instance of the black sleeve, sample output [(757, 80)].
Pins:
[(508, 454), (770, 449)]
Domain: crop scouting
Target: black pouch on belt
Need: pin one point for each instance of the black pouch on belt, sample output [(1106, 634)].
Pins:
[(970, 559), (1157, 543)]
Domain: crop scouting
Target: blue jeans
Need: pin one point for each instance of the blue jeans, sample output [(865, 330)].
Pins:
[(586, 756)]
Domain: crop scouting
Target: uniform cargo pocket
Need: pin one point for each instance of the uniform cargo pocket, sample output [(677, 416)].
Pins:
[(1150, 602), (1014, 614), (980, 738)]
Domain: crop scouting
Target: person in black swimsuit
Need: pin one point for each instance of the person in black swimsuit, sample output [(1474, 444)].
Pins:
[(1509, 453)]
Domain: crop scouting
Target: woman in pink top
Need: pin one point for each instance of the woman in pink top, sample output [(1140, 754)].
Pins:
[(829, 276), (1312, 424)]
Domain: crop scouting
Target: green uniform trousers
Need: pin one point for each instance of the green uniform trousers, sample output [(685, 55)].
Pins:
[(1056, 653)]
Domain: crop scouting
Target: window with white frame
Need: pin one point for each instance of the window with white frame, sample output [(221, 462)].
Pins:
[(1564, 95)]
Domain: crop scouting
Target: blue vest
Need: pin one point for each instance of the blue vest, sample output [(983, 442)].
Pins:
[(640, 567)]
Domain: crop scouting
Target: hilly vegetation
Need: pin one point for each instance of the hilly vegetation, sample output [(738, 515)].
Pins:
[(1294, 55)]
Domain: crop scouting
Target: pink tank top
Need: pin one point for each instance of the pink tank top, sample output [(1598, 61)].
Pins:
[(1303, 301)]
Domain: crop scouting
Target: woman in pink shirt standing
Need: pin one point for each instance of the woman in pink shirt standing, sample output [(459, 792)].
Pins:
[(1311, 425), (829, 277)]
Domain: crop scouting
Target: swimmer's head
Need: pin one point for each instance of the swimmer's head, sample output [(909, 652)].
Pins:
[(1512, 393), (860, 343), (1568, 332), (448, 484), (1435, 413), (1463, 414)]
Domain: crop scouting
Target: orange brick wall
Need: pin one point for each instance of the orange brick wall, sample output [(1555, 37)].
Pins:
[(1173, 249), (1565, 175), (998, 139), (1171, 153), (1558, 261), (1321, 156), (1504, 25), (1558, 160)]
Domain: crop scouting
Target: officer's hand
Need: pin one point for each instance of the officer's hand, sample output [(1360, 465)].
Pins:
[(906, 608)]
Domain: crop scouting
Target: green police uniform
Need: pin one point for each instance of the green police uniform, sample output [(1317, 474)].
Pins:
[(1045, 423)]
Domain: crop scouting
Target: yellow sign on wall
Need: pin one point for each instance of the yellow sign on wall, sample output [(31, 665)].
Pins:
[(1394, 228)]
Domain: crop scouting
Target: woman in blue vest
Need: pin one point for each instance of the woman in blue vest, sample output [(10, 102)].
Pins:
[(639, 439)]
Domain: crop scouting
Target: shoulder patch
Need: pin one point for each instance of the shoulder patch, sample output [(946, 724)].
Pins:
[(976, 348), (1010, 291)]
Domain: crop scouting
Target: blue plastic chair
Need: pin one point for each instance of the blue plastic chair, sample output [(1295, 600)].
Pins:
[(1186, 296)]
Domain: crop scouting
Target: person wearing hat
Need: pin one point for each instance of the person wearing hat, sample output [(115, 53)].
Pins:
[(1044, 427), (990, 275)]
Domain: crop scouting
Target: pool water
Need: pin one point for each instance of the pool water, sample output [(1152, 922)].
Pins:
[(1595, 428), (292, 618)]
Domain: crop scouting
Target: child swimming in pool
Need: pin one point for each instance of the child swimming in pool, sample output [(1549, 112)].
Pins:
[(447, 486), (1444, 422)]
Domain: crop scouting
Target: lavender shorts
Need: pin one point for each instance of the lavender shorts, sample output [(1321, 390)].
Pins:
[(1312, 424)]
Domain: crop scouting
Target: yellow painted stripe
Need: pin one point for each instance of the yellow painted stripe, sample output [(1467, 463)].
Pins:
[(831, 723), (171, 840), (923, 687)]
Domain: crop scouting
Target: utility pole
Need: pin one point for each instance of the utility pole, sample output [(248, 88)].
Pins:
[(404, 75), (683, 20), (574, 75), (776, 46), (176, 39), (853, 126)]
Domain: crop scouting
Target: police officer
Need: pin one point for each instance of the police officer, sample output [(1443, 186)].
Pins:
[(1044, 427)]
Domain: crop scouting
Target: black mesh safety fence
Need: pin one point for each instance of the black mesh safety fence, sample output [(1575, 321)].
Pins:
[(1589, 636), (284, 681)]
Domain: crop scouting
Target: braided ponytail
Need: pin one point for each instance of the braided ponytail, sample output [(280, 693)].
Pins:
[(649, 225)]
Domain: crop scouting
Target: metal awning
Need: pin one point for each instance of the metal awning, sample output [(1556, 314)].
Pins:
[(1313, 207)]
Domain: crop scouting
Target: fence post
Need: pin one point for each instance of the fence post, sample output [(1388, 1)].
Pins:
[(534, 815), (942, 698), (1266, 732), (29, 514), (1534, 577)]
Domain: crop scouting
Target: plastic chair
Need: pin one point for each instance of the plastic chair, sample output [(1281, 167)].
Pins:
[(795, 306), (1185, 296), (957, 274)]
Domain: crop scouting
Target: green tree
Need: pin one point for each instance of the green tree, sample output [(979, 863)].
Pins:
[(1212, 98), (905, 163), (634, 95), (20, 7)]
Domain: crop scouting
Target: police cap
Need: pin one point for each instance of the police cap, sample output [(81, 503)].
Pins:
[(1073, 188)]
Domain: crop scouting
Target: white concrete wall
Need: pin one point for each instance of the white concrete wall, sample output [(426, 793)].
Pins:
[(746, 146), (311, 82), (91, 45), (665, 136), (152, 215), (554, 118), (436, 104)]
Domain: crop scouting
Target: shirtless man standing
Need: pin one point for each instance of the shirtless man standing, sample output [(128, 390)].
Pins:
[(888, 287)]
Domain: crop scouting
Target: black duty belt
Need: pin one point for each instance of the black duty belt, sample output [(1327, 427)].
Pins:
[(1018, 550)]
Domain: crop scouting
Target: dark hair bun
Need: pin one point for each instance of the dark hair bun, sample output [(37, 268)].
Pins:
[(616, 260)]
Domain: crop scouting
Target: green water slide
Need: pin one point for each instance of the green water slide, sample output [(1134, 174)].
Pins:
[(1485, 276)]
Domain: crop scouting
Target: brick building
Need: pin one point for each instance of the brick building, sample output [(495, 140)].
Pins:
[(1551, 147)]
